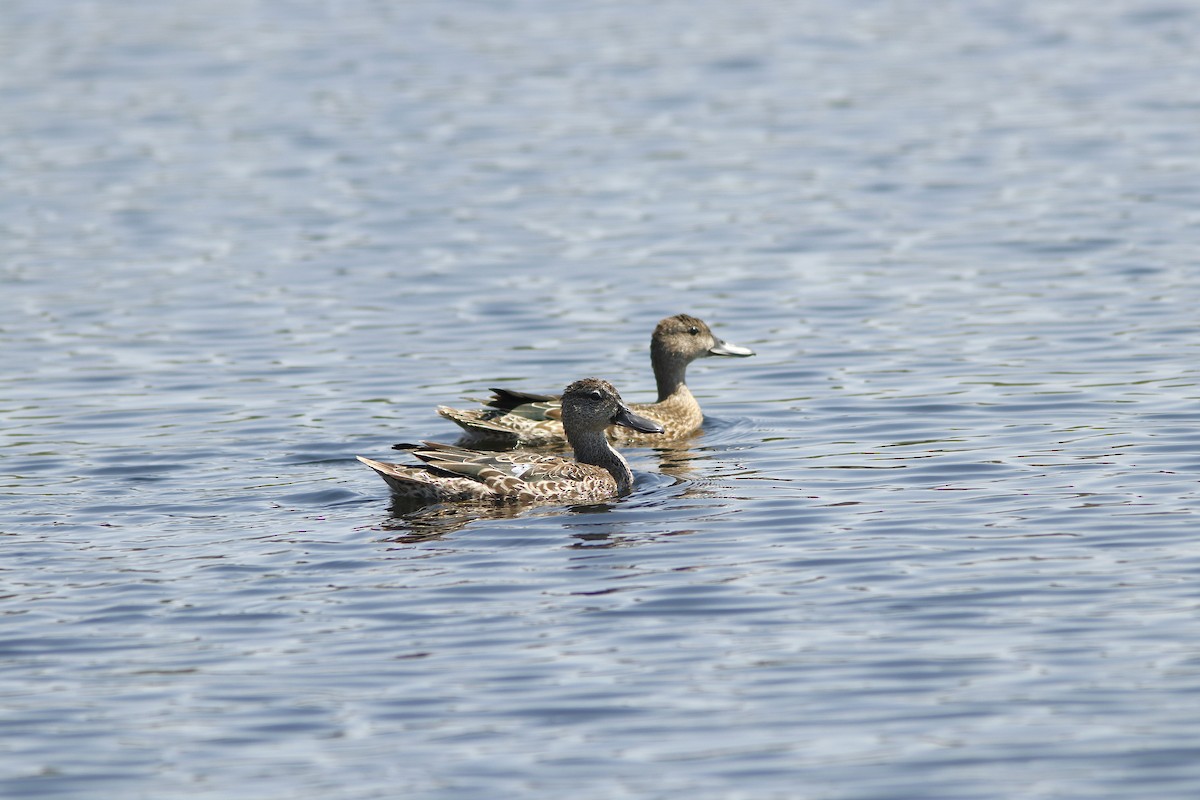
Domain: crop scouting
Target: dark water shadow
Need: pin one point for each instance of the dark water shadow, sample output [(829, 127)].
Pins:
[(412, 522)]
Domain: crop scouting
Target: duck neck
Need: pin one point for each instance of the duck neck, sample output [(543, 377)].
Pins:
[(669, 371), (592, 447)]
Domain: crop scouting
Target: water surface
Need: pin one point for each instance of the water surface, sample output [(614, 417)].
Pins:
[(937, 540)]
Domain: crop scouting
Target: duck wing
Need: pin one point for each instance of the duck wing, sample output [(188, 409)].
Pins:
[(510, 474), (531, 406)]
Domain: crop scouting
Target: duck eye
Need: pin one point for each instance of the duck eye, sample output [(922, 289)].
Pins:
[(595, 394), (694, 331)]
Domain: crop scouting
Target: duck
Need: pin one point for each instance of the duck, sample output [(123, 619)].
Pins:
[(514, 418), (451, 473)]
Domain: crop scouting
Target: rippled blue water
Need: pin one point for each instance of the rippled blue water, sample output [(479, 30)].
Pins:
[(938, 539)]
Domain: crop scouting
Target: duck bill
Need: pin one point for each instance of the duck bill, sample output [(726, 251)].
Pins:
[(726, 349), (638, 423)]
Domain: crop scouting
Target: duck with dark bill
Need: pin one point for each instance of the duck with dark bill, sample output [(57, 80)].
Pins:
[(598, 472)]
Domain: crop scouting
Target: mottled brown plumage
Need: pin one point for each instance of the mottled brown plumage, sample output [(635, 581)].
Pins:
[(598, 472), (513, 418)]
